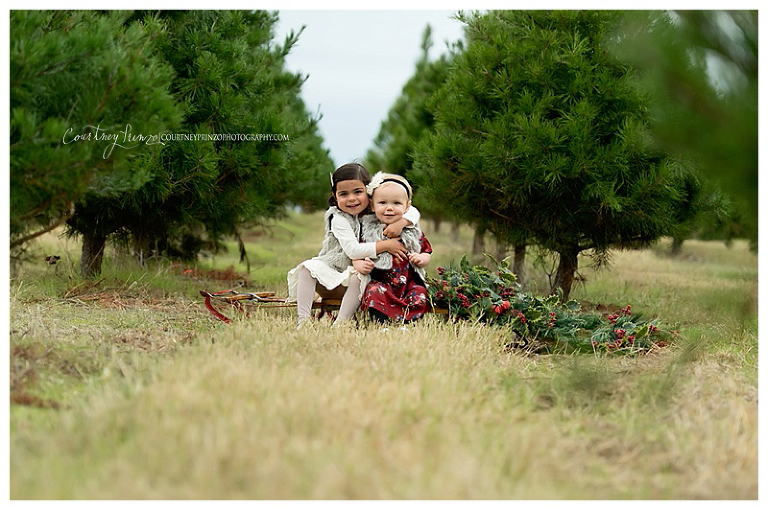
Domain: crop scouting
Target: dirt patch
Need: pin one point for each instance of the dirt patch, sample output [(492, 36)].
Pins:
[(25, 399), (113, 299), (220, 275), (601, 308), (147, 342), (23, 376)]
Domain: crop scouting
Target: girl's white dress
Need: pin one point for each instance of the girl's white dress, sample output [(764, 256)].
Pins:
[(333, 265)]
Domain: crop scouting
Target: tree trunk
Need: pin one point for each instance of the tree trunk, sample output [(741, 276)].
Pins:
[(501, 250), (144, 247), (677, 246), (566, 270), (478, 244), (436, 225), (518, 266), (92, 254), (455, 231)]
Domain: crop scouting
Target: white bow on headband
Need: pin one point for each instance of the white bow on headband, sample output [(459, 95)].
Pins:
[(376, 181), (380, 178)]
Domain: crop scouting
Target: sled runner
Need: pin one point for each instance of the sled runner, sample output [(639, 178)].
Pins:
[(239, 300)]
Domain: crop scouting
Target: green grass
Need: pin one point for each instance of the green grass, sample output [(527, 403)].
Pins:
[(127, 389)]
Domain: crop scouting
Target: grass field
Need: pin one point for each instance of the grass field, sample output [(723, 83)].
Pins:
[(126, 388)]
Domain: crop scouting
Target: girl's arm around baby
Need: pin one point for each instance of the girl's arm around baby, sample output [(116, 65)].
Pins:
[(349, 242), (356, 250)]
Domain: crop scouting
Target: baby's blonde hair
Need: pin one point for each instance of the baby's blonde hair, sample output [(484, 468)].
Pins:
[(383, 178)]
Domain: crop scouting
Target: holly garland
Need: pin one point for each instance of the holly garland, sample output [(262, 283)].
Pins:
[(480, 294)]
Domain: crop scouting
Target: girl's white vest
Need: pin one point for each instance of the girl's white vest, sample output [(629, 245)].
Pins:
[(331, 253), (373, 230)]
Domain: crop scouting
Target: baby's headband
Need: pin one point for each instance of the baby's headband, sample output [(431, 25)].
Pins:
[(401, 183), (379, 179)]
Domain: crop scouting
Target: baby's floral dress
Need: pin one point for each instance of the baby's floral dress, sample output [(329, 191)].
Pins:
[(399, 292)]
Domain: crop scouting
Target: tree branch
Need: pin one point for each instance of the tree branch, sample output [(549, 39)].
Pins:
[(50, 227)]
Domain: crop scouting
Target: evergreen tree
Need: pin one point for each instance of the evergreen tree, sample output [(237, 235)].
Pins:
[(700, 69), (409, 119), (702, 208), (75, 78), (541, 135), (308, 161), (231, 79), (727, 220)]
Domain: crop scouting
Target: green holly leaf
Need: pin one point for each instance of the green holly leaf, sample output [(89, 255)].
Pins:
[(642, 331), (573, 305)]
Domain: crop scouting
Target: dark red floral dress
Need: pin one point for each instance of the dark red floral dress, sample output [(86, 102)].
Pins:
[(399, 292)]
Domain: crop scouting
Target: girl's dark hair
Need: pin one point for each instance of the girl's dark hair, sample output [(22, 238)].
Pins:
[(348, 172)]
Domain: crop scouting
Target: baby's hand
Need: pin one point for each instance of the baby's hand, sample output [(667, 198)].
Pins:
[(419, 259), (364, 266)]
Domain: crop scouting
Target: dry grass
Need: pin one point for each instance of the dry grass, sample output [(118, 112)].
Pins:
[(157, 401)]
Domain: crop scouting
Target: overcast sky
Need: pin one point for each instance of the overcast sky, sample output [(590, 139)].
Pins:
[(358, 62)]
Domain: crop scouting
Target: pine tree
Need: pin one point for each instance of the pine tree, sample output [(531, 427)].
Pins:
[(77, 77), (541, 135), (703, 210), (231, 79), (409, 119), (309, 162), (700, 68)]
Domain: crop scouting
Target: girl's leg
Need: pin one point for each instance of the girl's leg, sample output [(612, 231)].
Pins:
[(351, 300), (305, 294)]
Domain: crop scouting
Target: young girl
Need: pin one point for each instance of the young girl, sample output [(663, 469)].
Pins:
[(330, 273), (397, 289)]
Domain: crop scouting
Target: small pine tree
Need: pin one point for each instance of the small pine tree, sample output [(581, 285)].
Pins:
[(542, 135), (77, 77), (701, 70), (231, 79), (409, 117)]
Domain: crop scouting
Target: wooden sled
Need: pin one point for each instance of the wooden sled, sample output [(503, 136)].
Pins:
[(259, 300), (268, 300)]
